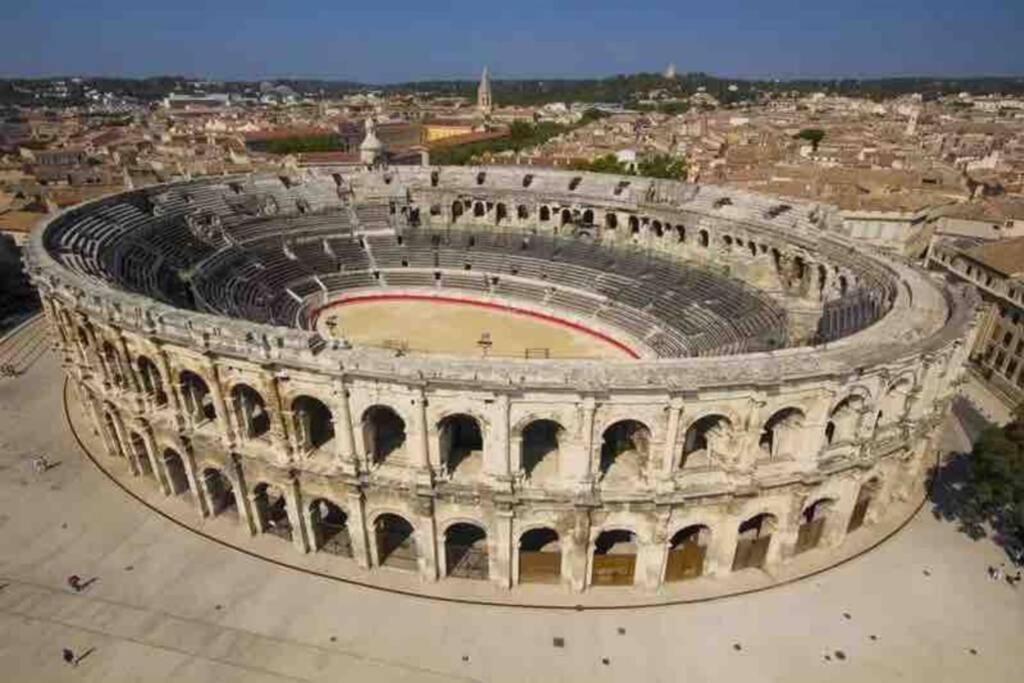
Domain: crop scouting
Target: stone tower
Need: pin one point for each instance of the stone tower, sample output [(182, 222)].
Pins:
[(483, 93), (371, 149)]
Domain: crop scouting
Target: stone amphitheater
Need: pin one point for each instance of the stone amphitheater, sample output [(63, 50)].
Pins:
[(783, 389)]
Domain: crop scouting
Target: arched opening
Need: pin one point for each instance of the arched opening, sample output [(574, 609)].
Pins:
[(500, 213), (456, 211), (479, 210), (704, 239), (329, 526), (540, 556), (272, 511), (566, 216), (396, 546), (686, 553), (197, 398), (634, 225), (539, 449), (460, 445), (141, 455), (314, 424), (465, 551), (624, 450), (219, 492), (614, 558), (177, 478), (865, 496), (706, 437), (812, 524), (657, 228), (545, 214), (522, 213), (755, 537), (152, 385), (680, 234), (611, 221), (588, 217), (893, 406), (112, 360), (842, 421), (778, 436), (251, 414), (115, 439), (383, 434)]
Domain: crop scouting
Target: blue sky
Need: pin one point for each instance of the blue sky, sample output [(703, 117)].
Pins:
[(397, 40)]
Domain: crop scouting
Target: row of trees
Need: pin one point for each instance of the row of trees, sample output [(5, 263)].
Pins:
[(993, 492), (655, 166)]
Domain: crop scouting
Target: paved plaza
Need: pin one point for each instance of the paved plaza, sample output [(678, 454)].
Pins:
[(165, 603)]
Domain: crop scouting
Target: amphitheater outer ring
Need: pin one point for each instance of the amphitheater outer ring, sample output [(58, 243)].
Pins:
[(917, 378)]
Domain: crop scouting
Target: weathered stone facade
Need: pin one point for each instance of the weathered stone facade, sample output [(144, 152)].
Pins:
[(671, 467)]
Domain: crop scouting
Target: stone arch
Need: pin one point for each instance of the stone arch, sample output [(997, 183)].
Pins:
[(705, 437), (152, 384), (219, 491), (141, 453), (753, 541), (778, 435), (465, 551), (383, 433), (686, 552), (566, 217), (866, 495), (611, 220), (500, 212), (271, 508), (112, 360), (540, 556), (634, 225), (680, 234), (812, 524), (250, 410), (893, 403), (329, 528), (313, 423), (395, 541), (460, 444), (197, 397), (704, 238), (110, 421), (843, 419), (522, 212), (177, 475), (539, 448), (479, 209), (614, 562), (545, 214), (456, 210), (625, 448)]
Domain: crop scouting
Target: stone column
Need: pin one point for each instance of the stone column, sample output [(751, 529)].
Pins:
[(421, 433), (576, 550), (500, 554), (195, 483), (294, 504), (125, 445), (358, 530), (670, 455), (496, 447), (213, 379), (720, 553), (154, 460), (241, 490), (346, 452), (592, 462), (173, 388), (651, 556), (426, 539)]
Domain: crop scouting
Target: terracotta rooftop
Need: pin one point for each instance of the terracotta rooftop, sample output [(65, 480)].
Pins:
[(1006, 257)]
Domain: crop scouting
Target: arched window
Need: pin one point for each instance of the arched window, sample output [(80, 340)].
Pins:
[(479, 209), (624, 450), (812, 524), (383, 434), (465, 551), (614, 558), (868, 492), (704, 239), (680, 233), (522, 212), (138, 445), (706, 437), (545, 214), (251, 414), (396, 545), (611, 221), (539, 449), (634, 225), (540, 556), (329, 526), (196, 396), (778, 436), (500, 213), (753, 541), (152, 385), (843, 420), (112, 361), (566, 216), (686, 553), (271, 509), (219, 492), (314, 424), (588, 217), (177, 478), (456, 211), (460, 444)]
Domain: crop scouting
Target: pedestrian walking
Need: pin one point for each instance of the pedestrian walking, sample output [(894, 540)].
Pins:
[(69, 657)]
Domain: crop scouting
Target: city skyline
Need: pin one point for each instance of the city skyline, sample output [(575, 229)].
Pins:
[(409, 43)]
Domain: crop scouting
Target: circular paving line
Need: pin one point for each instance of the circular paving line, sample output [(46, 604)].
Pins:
[(467, 601)]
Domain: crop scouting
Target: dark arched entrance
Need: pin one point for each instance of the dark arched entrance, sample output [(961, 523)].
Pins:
[(686, 553), (614, 558), (329, 526), (465, 551), (396, 546), (540, 556)]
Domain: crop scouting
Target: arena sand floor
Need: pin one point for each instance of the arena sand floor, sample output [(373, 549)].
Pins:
[(170, 605)]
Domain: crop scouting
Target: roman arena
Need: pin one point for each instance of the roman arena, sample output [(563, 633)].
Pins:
[(505, 385)]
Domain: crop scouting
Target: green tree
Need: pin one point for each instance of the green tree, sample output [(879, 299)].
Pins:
[(662, 166), (812, 135), (603, 164)]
